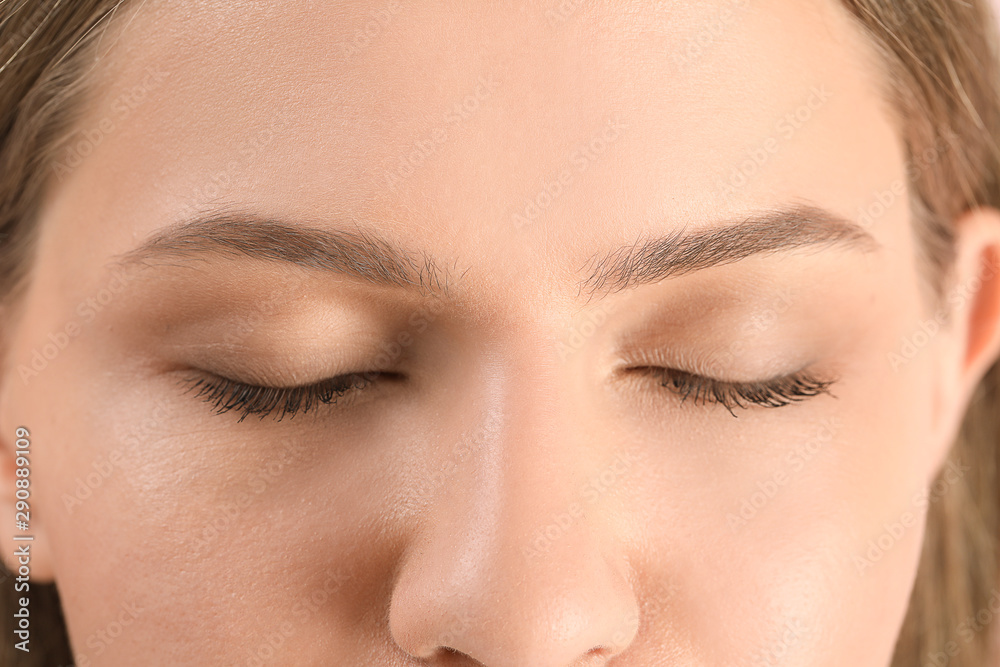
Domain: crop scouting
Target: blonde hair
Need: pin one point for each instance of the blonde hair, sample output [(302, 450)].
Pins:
[(942, 78)]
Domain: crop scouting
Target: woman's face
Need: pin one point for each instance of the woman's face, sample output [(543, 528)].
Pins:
[(514, 215)]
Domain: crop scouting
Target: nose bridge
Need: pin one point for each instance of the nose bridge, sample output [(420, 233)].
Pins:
[(544, 454), (514, 567), (538, 457)]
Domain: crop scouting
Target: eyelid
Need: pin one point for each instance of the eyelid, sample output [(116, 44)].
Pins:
[(774, 392), (226, 394)]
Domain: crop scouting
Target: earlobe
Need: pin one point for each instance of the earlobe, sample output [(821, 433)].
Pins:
[(26, 545)]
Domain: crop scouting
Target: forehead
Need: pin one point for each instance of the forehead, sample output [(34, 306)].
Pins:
[(452, 124)]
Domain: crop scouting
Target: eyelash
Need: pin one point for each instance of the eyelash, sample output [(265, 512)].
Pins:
[(774, 393), (225, 395)]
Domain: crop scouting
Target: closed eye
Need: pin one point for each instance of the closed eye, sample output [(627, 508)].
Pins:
[(225, 394), (772, 393)]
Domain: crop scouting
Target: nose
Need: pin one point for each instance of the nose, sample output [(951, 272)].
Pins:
[(513, 564)]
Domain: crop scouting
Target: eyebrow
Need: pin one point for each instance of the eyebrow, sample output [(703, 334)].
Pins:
[(370, 257), (361, 254), (779, 230)]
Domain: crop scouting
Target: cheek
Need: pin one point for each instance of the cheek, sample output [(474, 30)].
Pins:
[(187, 518), (769, 565), (796, 536)]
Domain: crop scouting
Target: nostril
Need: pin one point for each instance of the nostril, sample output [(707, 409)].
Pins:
[(446, 656), (596, 657), (450, 657)]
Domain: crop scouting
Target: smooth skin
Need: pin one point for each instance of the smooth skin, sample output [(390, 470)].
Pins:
[(517, 493)]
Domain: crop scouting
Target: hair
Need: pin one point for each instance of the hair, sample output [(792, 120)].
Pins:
[(942, 58), (941, 71)]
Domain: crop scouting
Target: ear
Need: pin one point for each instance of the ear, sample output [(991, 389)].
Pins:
[(972, 303), (25, 544)]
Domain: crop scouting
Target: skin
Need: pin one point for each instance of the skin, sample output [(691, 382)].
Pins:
[(405, 525)]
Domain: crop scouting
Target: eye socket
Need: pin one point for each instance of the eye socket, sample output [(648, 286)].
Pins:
[(773, 393), (225, 394)]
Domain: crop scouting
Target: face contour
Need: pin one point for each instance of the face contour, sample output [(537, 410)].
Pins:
[(486, 232)]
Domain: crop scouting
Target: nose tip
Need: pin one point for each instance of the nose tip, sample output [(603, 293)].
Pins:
[(496, 607)]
